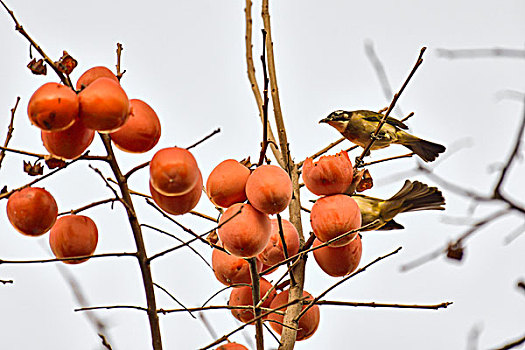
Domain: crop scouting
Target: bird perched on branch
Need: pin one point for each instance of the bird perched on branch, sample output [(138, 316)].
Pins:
[(413, 196), (359, 126)]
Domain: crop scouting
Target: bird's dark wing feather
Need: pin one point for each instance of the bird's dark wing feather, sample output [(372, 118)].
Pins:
[(376, 118)]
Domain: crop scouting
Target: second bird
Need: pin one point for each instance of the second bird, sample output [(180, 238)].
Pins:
[(358, 126)]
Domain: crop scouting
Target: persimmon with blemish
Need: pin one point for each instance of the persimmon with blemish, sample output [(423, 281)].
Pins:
[(53, 107), (32, 211), (73, 236), (243, 230), (227, 182), (334, 216), (269, 189), (68, 143)]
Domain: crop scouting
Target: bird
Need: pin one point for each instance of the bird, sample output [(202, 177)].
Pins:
[(413, 196), (359, 126)]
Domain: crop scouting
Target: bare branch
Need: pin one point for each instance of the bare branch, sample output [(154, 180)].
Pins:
[(10, 130), (384, 305), (481, 53)]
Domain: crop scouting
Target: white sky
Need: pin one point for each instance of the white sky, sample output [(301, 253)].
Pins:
[(186, 59)]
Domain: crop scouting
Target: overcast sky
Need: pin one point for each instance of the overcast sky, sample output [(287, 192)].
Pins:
[(187, 60)]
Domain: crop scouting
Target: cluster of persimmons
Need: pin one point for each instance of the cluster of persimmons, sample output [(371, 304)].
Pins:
[(68, 120)]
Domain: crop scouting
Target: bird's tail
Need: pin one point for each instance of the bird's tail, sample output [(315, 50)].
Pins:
[(426, 150), (414, 196)]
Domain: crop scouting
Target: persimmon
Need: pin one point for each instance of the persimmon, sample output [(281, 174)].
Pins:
[(308, 323), (227, 182), (141, 131), (32, 211), (178, 205), (242, 296), (243, 230), (232, 346), (73, 236), (53, 107), (68, 143), (93, 74), (331, 174), (173, 171), (274, 251), (269, 189), (332, 216), (339, 261), (230, 269), (104, 105)]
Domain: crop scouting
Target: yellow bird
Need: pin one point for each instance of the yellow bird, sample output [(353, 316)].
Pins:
[(413, 196), (358, 126)]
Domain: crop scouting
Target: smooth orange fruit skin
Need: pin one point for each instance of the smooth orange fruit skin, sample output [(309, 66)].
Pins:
[(173, 171), (308, 323), (331, 216), (245, 233), (273, 253), (227, 182), (269, 189), (339, 261), (141, 132), (93, 74), (104, 105), (229, 269), (178, 205), (242, 296), (73, 236), (32, 211), (68, 143), (232, 346), (331, 174), (53, 107)]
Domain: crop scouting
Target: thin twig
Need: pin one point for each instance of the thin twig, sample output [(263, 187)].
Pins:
[(323, 151), (214, 132), (173, 298), (10, 130), (512, 344), (384, 305), (118, 66), (408, 155), (266, 101), (481, 53), (256, 289), (42, 261), (89, 206)]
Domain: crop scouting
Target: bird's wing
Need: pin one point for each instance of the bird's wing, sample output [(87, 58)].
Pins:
[(376, 118), (391, 225)]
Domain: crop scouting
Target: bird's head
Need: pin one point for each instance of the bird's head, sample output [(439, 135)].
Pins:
[(338, 119)]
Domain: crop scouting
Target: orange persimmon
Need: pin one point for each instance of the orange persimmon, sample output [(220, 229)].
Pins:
[(93, 74), (242, 296), (269, 189), (53, 107), (230, 269), (173, 171), (273, 253), (331, 174), (68, 143), (226, 183), (73, 236), (339, 261), (181, 204)]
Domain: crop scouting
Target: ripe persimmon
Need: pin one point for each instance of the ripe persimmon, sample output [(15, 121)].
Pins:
[(242, 296), (181, 204), (32, 211), (173, 171), (308, 323), (273, 253), (68, 143), (141, 131), (243, 230), (332, 216), (331, 174), (230, 269), (339, 261), (73, 236), (93, 74), (269, 189), (226, 183), (104, 105), (53, 107)]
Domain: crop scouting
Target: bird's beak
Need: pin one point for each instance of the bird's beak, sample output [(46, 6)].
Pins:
[(325, 120)]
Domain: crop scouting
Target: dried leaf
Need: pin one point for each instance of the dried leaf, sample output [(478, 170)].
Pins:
[(33, 169), (66, 64), (455, 251), (366, 182), (37, 67), (53, 162), (213, 238), (4, 190), (246, 162)]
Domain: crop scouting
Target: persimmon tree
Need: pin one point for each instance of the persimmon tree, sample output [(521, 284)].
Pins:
[(259, 255)]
